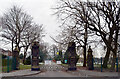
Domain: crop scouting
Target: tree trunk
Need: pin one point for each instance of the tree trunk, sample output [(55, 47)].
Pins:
[(115, 50), (25, 53), (113, 62), (85, 44), (84, 64), (54, 51), (106, 58), (12, 45), (114, 58), (24, 57)]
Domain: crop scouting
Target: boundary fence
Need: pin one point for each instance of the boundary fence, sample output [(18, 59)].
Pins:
[(98, 64), (8, 64)]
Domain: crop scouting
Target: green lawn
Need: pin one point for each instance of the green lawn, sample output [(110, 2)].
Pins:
[(65, 65), (22, 67), (119, 65), (4, 69), (79, 64)]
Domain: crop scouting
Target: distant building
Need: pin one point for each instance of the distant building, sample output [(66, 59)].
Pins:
[(5, 52)]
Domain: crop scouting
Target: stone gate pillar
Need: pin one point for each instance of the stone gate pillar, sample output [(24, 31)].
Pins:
[(72, 56), (35, 57), (90, 59)]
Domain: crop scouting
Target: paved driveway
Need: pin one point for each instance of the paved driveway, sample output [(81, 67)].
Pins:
[(53, 70)]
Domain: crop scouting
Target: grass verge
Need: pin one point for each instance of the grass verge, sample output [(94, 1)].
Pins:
[(22, 67)]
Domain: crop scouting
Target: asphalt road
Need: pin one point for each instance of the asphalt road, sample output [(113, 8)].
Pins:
[(53, 70), (53, 74)]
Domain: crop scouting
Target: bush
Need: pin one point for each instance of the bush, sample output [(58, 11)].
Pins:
[(28, 61), (3, 56), (58, 58), (21, 56), (40, 60)]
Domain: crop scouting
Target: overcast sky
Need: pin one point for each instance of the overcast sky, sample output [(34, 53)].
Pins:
[(41, 12)]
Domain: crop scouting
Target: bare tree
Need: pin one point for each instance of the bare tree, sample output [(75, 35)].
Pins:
[(72, 27), (19, 28), (101, 17), (35, 32), (53, 50), (14, 21), (104, 20)]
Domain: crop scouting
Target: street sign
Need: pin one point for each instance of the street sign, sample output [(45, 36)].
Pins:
[(65, 61), (57, 53), (47, 62)]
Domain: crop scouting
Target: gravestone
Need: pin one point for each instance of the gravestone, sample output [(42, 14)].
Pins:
[(90, 59), (72, 56), (35, 57)]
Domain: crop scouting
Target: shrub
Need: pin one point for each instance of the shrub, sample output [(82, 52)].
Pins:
[(28, 61)]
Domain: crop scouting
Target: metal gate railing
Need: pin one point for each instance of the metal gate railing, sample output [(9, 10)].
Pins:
[(98, 62), (8, 64)]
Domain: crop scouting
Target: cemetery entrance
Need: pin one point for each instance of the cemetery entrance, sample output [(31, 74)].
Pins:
[(50, 65), (46, 65)]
